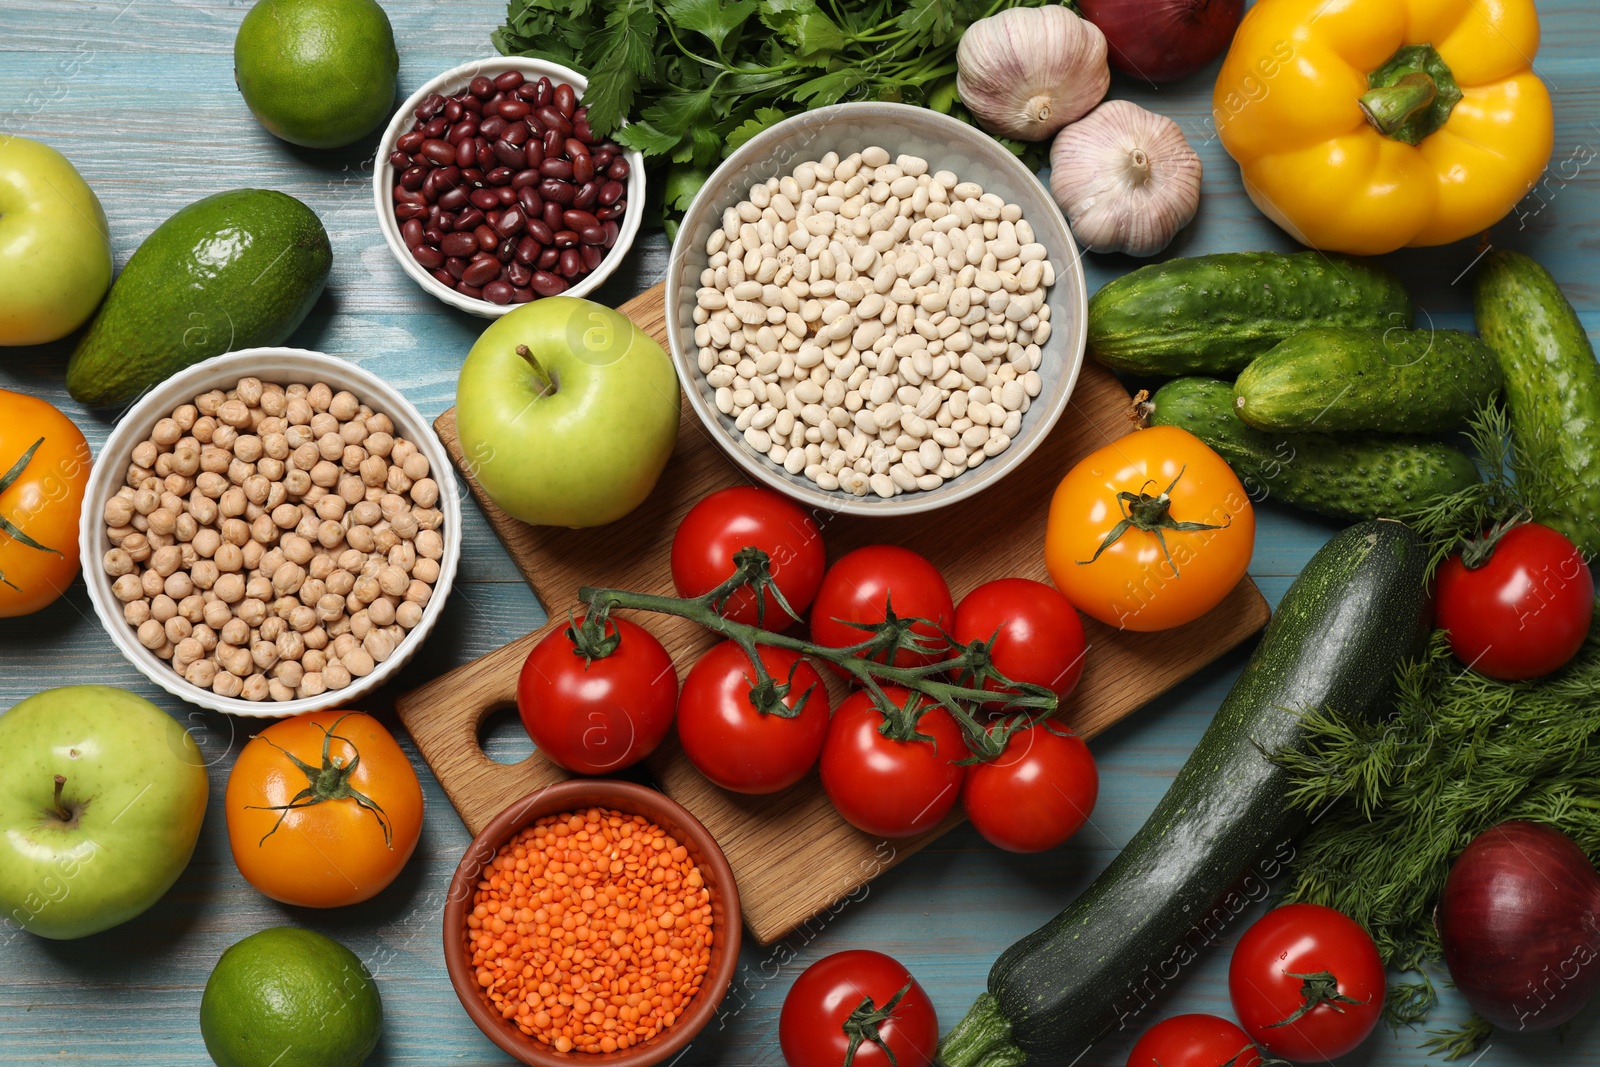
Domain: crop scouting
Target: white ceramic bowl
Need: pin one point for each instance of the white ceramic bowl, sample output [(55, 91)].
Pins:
[(947, 144), (285, 366), (449, 83)]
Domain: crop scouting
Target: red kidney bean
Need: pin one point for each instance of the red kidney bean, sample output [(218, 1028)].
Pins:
[(472, 177), (533, 153), (515, 135), (518, 273), (399, 160), (522, 179), (612, 232), (493, 103), (565, 100), (540, 231), (548, 257), (586, 194), (481, 87), (461, 131), (434, 185), (497, 292), (577, 219), (508, 154), (438, 152), (456, 266), (559, 191), (411, 232), (556, 168), (552, 216), (452, 110), (430, 106), (458, 244), (443, 224), (444, 277), (551, 119), (602, 156), (488, 240), (410, 211), (564, 239), (508, 195), (521, 296), (618, 170), (472, 105), (527, 248), (544, 92), (614, 211), (485, 157), (434, 233), (506, 253), (453, 199), (582, 131), (431, 258), (469, 290), (546, 284), (610, 193), (483, 268), (493, 126), (485, 198), (470, 219), (571, 263), (508, 81), (499, 176), (435, 127), (527, 91), (511, 222), (593, 235), (582, 167), (514, 109), (552, 142), (466, 153), (413, 177), (592, 255), (410, 142), (402, 195)]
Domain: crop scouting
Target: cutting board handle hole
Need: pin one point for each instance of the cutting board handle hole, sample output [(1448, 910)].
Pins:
[(501, 736)]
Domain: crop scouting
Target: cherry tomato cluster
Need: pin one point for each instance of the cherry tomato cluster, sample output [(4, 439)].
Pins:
[(601, 694), (1307, 985)]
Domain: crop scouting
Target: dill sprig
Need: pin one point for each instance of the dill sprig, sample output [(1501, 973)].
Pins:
[(1400, 798)]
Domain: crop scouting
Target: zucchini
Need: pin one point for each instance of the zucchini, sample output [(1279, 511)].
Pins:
[(1362, 477), (1214, 314), (1225, 827), (1338, 378), (1552, 386)]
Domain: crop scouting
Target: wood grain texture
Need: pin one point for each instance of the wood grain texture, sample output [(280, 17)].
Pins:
[(139, 95), (791, 852)]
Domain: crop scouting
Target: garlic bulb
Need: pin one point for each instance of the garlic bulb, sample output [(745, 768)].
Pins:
[(1126, 178), (1029, 71)]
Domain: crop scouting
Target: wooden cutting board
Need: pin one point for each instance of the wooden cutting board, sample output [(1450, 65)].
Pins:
[(791, 853)]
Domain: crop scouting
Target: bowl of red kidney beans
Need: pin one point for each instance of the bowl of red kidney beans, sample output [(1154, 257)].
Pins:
[(492, 190)]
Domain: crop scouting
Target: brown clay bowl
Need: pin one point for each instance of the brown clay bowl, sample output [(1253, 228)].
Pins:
[(577, 794)]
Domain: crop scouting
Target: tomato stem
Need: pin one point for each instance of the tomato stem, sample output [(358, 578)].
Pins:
[(862, 1025), (1316, 989), (870, 662), (1152, 515), (1478, 551), (9, 528), (331, 781)]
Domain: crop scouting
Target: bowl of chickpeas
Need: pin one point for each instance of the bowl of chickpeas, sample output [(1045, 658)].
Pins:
[(270, 532)]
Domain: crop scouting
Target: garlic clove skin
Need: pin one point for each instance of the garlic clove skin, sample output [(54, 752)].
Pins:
[(1126, 178), (1028, 71)]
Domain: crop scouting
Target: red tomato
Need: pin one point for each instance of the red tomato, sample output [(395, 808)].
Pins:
[(859, 587), (860, 988), (1034, 795), (886, 787), (1036, 633), (745, 516), (1523, 613), (601, 716), (1303, 954), (1194, 1041), (738, 746)]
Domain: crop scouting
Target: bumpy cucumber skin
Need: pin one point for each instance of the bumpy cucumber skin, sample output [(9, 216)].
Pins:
[(1552, 383), (1336, 379), (1342, 477), (1224, 828), (1214, 314)]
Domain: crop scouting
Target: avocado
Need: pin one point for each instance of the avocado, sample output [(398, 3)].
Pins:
[(235, 270)]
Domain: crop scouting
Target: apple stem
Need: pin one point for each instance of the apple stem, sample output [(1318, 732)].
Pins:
[(63, 813), (538, 369)]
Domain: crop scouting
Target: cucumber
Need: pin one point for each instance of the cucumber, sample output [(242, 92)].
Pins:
[(1362, 477), (1336, 378), (1214, 314), (1552, 386), (1224, 828)]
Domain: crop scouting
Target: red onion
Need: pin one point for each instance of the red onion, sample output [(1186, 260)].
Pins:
[(1164, 40), (1520, 925)]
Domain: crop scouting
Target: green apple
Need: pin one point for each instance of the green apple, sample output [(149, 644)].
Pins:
[(101, 798), (567, 413), (55, 250)]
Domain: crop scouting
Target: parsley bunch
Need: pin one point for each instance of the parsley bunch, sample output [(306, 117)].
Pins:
[(695, 79)]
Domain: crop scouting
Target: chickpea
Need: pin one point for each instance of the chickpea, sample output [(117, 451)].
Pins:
[(117, 562), (118, 511), (135, 612), (358, 662), (151, 634), (381, 611), (378, 645), (288, 672), (255, 687), (179, 585), (278, 691), (177, 628), (314, 659), (311, 685), (408, 614), (203, 673)]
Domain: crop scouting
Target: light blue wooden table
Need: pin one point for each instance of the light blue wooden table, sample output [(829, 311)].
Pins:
[(139, 94)]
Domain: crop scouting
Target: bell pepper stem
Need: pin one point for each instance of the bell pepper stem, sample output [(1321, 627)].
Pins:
[(1389, 109)]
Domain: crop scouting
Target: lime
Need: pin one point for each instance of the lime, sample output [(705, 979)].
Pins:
[(287, 997), (318, 73)]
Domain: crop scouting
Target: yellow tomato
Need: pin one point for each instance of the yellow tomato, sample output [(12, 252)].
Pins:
[(1149, 532), (44, 467), (323, 809)]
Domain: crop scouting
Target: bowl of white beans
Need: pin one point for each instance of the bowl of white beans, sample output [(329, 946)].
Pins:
[(270, 532), (876, 309)]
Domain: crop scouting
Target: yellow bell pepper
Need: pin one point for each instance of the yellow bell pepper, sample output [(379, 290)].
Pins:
[(1367, 125)]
